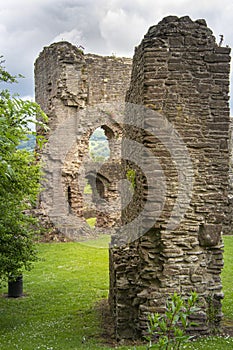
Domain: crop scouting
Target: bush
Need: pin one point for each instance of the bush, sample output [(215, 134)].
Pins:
[(19, 182)]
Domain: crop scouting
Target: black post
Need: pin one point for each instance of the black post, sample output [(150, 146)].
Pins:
[(15, 287)]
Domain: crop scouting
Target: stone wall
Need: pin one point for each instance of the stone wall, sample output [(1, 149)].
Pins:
[(67, 83), (65, 77), (182, 76)]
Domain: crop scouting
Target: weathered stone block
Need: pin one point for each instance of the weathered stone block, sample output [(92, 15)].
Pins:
[(209, 234)]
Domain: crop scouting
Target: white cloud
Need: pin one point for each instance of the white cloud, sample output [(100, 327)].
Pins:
[(74, 36), (116, 29), (28, 98)]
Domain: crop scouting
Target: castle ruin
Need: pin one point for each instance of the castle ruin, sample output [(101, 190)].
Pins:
[(178, 110)]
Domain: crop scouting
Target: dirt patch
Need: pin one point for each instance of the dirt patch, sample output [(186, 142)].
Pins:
[(106, 323), (107, 336)]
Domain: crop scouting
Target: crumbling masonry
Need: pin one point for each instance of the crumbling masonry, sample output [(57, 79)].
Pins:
[(66, 82), (179, 71), (181, 76)]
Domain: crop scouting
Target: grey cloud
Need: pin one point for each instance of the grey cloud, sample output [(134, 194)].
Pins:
[(101, 26)]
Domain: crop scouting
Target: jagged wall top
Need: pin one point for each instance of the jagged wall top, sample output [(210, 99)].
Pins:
[(65, 76), (62, 51), (187, 32)]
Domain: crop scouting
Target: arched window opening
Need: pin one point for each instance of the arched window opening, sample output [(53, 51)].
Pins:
[(96, 187), (99, 149)]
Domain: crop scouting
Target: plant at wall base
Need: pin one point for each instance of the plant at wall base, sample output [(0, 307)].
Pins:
[(170, 329), (131, 177), (212, 314), (19, 182)]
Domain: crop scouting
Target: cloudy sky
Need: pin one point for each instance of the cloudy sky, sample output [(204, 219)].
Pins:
[(101, 26)]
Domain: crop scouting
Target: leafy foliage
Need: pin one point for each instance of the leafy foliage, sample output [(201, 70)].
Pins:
[(19, 181), (170, 328)]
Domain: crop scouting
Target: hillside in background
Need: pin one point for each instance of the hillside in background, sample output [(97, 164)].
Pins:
[(98, 146), (28, 144)]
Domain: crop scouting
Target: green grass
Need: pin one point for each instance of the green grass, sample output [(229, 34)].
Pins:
[(91, 222), (227, 277), (59, 308), (87, 189)]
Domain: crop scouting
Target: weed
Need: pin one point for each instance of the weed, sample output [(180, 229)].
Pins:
[(170, 328), (131, 177)]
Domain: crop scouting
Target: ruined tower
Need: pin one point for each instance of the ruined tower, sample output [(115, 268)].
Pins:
[(181, 76), (67, 83)]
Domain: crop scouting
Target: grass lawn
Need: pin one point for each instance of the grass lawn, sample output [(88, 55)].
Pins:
[(58, 311)]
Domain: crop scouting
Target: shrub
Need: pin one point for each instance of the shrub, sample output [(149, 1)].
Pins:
[(170, 329)]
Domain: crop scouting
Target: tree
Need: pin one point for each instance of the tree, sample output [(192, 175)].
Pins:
[(19, 181)]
